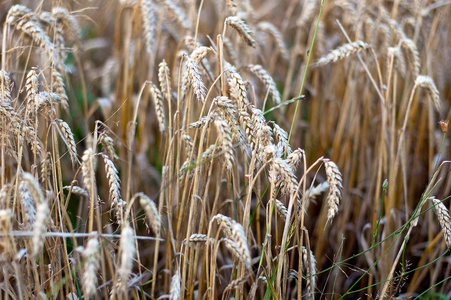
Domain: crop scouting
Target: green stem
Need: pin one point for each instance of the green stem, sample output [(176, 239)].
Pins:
[(305, 71)]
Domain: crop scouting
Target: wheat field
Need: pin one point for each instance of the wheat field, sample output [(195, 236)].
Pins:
[(234, 149)]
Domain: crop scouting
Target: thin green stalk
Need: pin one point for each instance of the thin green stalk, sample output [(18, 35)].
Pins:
[(305, 71), (384, 189)]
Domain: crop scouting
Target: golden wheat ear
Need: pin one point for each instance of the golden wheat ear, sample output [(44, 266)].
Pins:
[(335, 180)]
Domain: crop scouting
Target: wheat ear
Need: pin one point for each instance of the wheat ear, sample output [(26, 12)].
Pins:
[(335, 188), (128, 251), (277, 35), (342, 52), (234, 231), (69, 140), (151, 212), (157, 99), (174, 290), (149, 21), (428, 84), (115, 186), (42, 212), (413, 56), (91, 266), (242, 29), (108, 144), (263, 75), (195, 79), (443, 217)]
